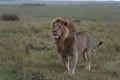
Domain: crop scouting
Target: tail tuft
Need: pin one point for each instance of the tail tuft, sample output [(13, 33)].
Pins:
[(100, 44)]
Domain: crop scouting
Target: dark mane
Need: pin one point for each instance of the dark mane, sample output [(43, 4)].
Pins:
[(69, 41), (71, 28), (68, 23)]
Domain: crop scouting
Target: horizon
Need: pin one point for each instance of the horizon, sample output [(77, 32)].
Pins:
[(39, 1)]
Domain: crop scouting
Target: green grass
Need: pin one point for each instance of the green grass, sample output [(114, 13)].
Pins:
[(18, 61)]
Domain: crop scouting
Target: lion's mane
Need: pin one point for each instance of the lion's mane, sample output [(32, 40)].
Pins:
[(65, 46)]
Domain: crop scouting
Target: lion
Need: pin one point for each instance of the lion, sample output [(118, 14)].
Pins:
[(70, 43)]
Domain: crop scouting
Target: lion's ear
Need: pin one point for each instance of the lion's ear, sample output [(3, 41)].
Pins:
[(66, 23)]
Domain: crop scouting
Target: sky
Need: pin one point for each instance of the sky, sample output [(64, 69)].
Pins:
[(37, 1), (84, 0), (55, 0)]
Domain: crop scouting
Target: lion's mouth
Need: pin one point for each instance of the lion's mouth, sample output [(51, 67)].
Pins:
[(56, 36)]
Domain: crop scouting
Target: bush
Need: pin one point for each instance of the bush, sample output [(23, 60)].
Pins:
[(9, 17)]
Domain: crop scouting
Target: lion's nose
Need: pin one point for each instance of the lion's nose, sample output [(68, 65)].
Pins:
[(54, 32)]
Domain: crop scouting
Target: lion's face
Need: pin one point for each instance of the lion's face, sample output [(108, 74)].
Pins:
[(58, 30)]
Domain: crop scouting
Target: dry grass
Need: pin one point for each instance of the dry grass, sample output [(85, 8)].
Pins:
[(21, 60)]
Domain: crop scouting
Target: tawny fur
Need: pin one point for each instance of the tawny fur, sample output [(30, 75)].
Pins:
[(70, 43)]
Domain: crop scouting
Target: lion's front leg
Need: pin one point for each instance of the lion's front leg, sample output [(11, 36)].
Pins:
[(73, 62), (65, 60)]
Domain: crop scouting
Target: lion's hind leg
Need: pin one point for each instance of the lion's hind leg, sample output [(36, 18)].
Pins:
[(84, 55), (87, 57)]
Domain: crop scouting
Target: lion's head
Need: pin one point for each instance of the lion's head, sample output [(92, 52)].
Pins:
[(61, 28)]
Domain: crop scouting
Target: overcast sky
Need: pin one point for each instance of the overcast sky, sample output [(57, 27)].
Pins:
[(37, 1), (56, 0), (83, 0)]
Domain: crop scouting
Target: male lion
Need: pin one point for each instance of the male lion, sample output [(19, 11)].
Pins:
[(70, 43)]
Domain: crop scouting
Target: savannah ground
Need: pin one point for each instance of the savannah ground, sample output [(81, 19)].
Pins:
[(28, 51)]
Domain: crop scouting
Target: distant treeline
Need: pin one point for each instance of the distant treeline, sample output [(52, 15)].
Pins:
[(33, 4), (100, 3), (74, 3)]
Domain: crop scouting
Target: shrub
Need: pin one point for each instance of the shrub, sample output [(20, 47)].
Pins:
[(9, 17)]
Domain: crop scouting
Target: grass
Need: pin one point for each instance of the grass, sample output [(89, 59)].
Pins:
[(20, 61)]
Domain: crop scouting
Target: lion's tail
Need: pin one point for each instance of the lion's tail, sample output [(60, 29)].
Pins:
[(100, 43)]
